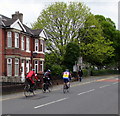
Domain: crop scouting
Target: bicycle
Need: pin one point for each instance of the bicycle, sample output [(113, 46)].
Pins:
[(66, 88), (28, 91), (47, 86)]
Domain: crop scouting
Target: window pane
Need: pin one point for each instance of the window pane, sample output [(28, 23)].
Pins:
[(22, 43), (9, 39), (36, 44), (16, 67), (27, 44), (16, 40), (41, 65), (9, 67)]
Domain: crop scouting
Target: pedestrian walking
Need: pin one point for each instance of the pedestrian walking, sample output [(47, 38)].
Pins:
[(80, 74)]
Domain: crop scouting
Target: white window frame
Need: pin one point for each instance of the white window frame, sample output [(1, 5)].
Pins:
[(42, 44), (16, 67), (9, 39), (36, 45), (16, 40), (36, 66), (27, 66), (9, 63), (42, 66), (27, 44), (22, 43)]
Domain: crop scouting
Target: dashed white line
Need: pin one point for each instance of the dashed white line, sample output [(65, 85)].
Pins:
[(50, 103), (104, 86), (86, 92), (115, 83)]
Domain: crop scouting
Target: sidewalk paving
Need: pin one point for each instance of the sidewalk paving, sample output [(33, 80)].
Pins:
[(56, 87)]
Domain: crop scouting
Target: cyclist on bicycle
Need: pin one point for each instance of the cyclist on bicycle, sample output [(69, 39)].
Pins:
[(47, 76), (66, 77), (30, 79)]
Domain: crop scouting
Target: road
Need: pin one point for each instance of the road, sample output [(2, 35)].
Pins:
[(91, 96)]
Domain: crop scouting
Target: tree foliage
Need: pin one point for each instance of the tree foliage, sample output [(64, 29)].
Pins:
[(95, 49), (62, 23), (110, 33), (108, 27), (71, 23), (71, 55)]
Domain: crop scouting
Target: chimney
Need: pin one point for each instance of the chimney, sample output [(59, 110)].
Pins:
[(18, 15)]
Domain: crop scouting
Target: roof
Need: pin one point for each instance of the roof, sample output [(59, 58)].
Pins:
[(6, 22)]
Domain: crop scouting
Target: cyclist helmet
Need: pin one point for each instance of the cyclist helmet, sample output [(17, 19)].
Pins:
[(33, 69), (48, 70), (67, 70)]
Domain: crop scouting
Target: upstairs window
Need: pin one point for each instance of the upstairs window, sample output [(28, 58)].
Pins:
[(27, 44), (36, 45), (41, 46), (16, 40), (22, 43), (9, 39)]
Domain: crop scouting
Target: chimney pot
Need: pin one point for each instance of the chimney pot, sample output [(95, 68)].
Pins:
[(18, 15)]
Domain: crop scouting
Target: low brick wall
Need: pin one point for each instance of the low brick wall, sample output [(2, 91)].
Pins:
[(8, 88)]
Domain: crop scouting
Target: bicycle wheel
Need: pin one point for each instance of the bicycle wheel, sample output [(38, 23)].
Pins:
[(68, 88), (50, 86), (43, 87), (27, 91), (64, 88)]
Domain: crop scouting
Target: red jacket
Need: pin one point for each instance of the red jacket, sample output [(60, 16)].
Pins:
[(32, 75)]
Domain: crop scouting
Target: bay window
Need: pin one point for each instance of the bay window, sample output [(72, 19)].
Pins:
[(16, 66), (16, 40), (9, 67), (9, 39)]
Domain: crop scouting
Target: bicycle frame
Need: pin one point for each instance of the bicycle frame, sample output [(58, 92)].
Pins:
[(47, 86), (66, 87)]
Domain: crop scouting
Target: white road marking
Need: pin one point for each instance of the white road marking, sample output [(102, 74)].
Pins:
[(115, 83), (104, 86), (86, 91), (50, 103)]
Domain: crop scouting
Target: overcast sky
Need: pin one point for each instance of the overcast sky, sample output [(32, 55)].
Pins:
[(31, 8)]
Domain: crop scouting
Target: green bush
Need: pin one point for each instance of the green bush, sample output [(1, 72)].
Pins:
[(104, 72), (57, 71), (85, 73)]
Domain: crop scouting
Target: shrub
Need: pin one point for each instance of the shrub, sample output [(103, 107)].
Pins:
[(57, 71), (85, 72), (104, 72)]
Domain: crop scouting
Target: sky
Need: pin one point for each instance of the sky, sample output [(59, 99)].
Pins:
[(31, 9)]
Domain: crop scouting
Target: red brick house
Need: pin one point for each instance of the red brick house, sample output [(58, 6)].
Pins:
[(21, 49)]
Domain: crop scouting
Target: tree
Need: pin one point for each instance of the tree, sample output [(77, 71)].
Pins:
[(95, 49), (110, 33), (70, 23), (117, 48), (108, 27), (62, 23)]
